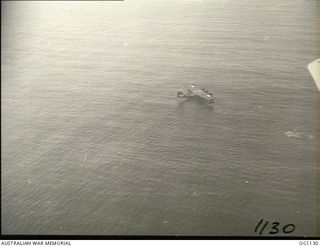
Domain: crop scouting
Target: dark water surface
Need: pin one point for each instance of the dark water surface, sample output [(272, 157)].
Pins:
[(94, 140)]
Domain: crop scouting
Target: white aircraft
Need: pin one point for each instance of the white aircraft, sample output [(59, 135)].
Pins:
[(314, 69)]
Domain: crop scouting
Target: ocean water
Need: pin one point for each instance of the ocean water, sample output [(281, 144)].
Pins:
[(94, 140)]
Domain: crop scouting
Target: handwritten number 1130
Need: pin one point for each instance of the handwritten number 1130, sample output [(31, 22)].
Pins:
[(274, 228)]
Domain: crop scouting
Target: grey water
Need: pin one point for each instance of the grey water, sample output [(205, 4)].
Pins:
[(94, 140)]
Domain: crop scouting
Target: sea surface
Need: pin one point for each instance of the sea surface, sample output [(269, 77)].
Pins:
[(94, 140)]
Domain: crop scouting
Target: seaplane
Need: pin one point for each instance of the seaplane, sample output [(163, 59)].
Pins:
[(198, 93)]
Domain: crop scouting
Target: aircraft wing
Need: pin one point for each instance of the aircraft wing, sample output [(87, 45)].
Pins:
[(314, 69)]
